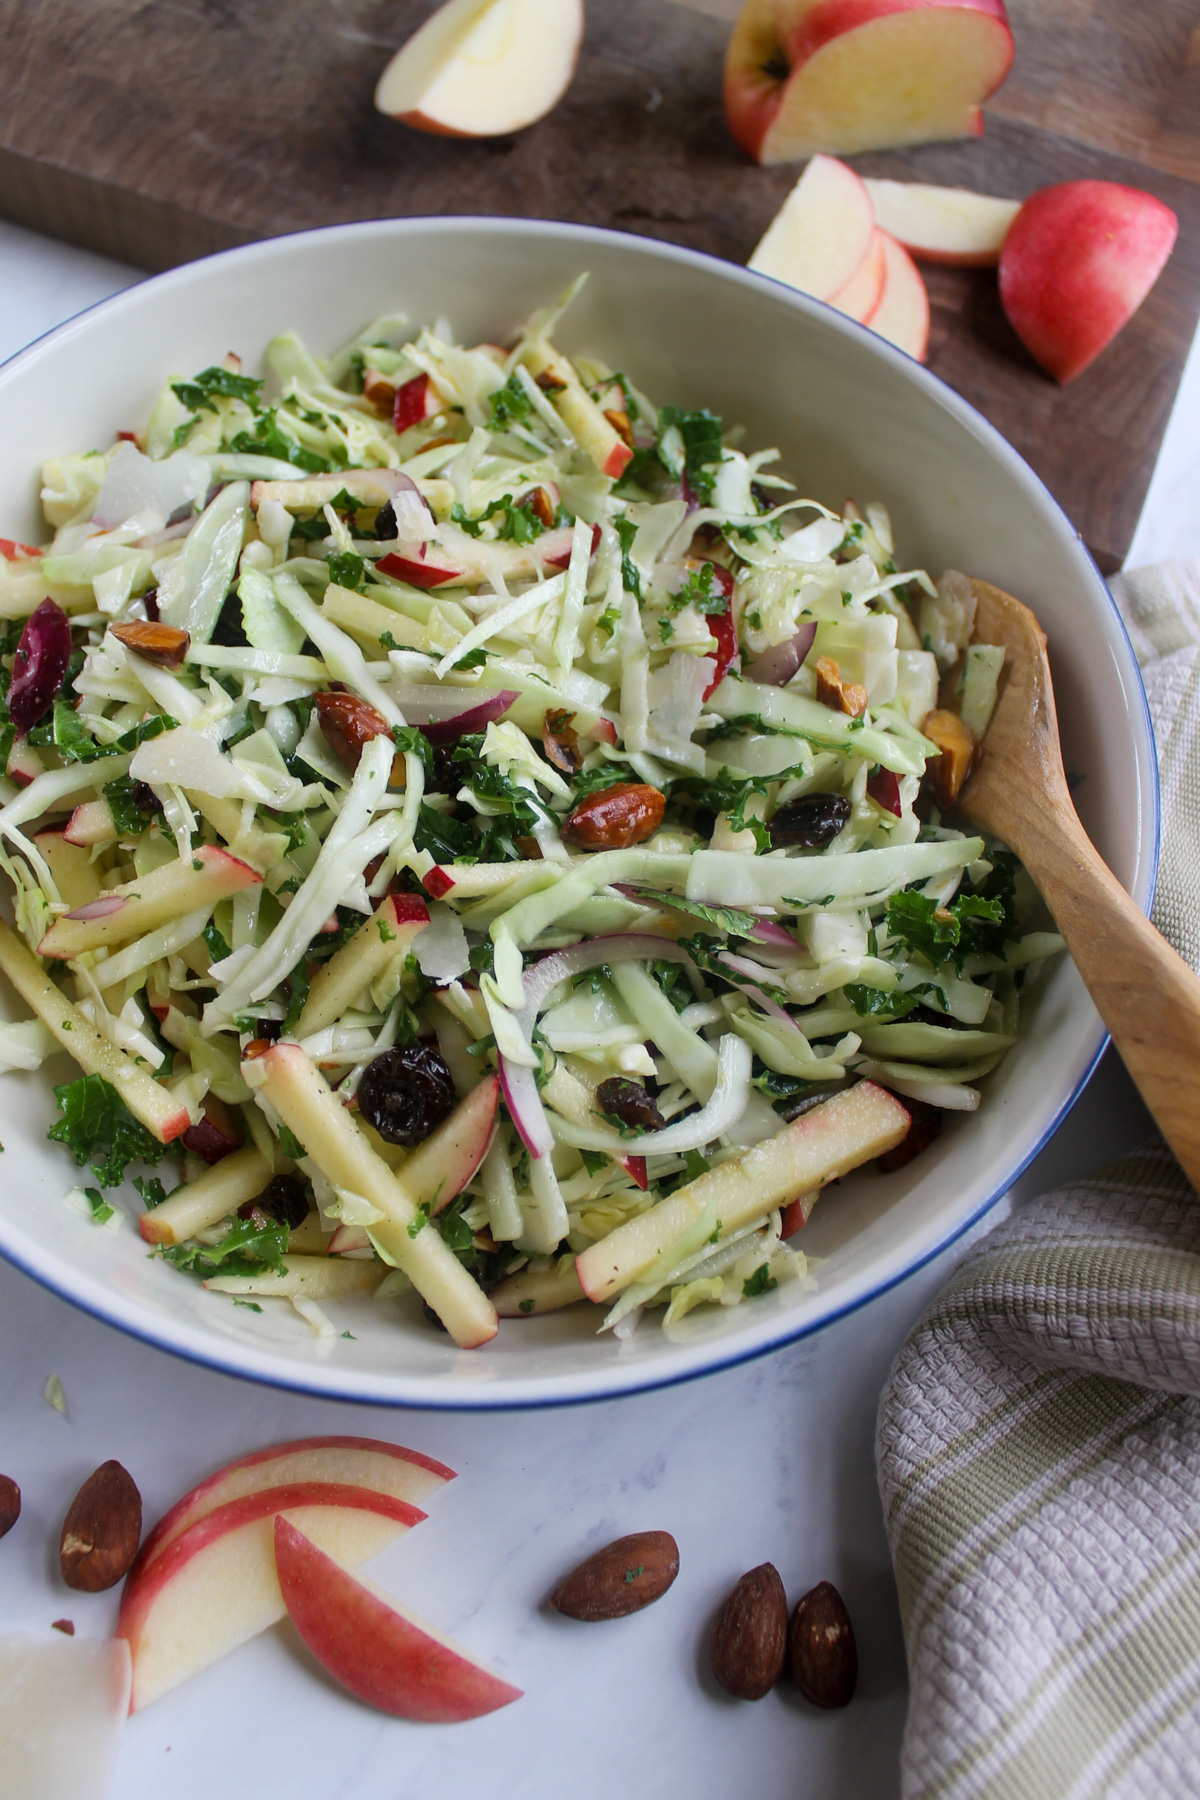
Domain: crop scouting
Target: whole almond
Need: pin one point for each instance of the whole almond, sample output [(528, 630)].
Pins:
[(620, 1579), (102, 1530), (822, 1654), (10, 1503), (615, 818), (749, 1635)]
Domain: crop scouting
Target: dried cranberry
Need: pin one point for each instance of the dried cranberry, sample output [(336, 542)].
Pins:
[(406, 1092), (810, 823), (41, 663), (145, 798), (629, 1102), (284, 1200)]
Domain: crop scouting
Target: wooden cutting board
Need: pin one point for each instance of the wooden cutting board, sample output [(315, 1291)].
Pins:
[(160, 130)]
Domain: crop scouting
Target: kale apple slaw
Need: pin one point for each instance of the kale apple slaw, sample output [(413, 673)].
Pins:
[(491, 825)]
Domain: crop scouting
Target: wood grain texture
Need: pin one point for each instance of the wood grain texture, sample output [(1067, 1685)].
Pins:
[(161, 130), (1146, 994)]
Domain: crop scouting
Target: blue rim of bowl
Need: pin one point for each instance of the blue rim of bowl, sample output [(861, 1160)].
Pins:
[(647, 1382)]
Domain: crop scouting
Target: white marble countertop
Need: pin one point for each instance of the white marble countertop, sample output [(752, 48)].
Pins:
[(771, 1461)]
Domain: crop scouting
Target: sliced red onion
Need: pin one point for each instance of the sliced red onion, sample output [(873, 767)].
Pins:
[(41, 663), (776, 666), (772, 1007), (768, 931), (442, 715), (99, 909), (525, 1107)]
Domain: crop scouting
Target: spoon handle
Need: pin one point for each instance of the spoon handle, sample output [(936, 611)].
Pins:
[(1143, 990)]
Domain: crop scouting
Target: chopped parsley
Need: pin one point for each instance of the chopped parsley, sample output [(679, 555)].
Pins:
[(761, 1282), (511, 403), (247, 1248), (203, 391)]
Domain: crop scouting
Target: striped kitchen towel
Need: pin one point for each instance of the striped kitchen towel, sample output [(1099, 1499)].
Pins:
[(1039, 1436)]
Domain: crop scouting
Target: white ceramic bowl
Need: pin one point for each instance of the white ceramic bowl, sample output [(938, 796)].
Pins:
[(851, 416)]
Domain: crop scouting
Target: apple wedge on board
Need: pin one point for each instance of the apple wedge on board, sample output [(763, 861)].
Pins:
[(374, 1647), (483, 68), (942, 224), (851, 75), (822, 233)]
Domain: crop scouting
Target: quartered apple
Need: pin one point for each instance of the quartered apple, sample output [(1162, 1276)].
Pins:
[(374, 1646), (484, 68), (822, 233), (1077, 262), (850, 75)]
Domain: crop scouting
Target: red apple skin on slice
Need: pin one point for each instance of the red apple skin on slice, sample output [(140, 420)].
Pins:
[(389, 1469), (381, 1653), (1077, 262), (859, 297), (902, 316), (844, 76), (214, 1586), (821, 233), (941, 224), (417, 571)]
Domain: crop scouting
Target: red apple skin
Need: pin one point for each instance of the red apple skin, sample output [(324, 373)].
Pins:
[(193, 1505), (1078, 261), (753, 94), (417, 574), (381, 1656)]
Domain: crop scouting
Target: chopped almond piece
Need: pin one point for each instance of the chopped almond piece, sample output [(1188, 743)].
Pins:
[(956, 741), (846, 696), (541, 506), (165, 646)]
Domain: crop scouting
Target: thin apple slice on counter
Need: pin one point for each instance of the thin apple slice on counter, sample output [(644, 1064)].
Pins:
[(859, 297), (375, 1647), (902, 316), (311, 1110), (850, 75), (63, 1706), (160, 1111), (822, 232), (183, 886), (1078, 261), (390, 1469), (483, 68), (941, 224), (814, 1149), (213, 1586)]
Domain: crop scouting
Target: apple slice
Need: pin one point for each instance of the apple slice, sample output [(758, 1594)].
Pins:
[(75, 874), (91, 823), (902, 316), (941, 224), (200, 1204), (592, 428), (859, 297), (814, 1149), (159, 1110), (483, 68), (416, 401), (208, 875), (851, 75), (213, 1586), (1077, 263), (63, 1706), (311, 1110), (378, 1649), (822, 232), (351, 970), (421, 571), (384, 1468)]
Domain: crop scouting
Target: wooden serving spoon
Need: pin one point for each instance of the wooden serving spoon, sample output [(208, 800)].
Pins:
[(1146, 994)]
